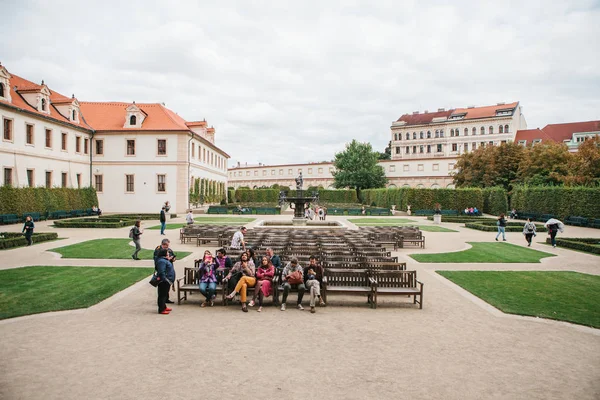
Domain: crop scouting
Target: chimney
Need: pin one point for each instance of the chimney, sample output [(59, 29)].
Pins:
[(426, 111), (238, 164), (441, 109), (500, 104), (415, 112), (471, 107)]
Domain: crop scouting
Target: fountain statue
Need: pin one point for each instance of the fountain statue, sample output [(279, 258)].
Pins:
[(298, 203)]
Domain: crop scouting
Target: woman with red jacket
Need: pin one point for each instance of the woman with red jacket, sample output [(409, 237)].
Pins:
[(264, 282)]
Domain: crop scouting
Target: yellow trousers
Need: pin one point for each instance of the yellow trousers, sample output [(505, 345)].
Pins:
[(244, 283)]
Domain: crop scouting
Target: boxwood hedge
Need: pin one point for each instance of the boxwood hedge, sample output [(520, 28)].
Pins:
[(421, 199), (9, 240), (490, 226), (19, 200), (589, 245), (93, 223)]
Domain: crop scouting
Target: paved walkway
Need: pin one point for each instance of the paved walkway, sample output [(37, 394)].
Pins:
[(457, 347)]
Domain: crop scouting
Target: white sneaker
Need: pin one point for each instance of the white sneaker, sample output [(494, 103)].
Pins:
[(300, 307), (282, 306), (251, 304)]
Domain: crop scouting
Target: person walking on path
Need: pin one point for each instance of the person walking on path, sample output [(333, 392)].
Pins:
[(264, 282), (313, 277), (501, 227), (163, 221), (553, 225), (28, 230), (136, 232), (166, 276), (529, 231)]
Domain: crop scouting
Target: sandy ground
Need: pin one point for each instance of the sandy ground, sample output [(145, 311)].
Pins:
[(457, 347)]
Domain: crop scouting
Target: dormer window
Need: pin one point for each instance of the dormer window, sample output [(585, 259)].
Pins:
[(132, 120), (44, 105), (74, 115), (135, 117), (1, 89)]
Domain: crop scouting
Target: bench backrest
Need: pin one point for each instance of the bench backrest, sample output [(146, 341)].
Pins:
[(347, 278), (395, 278)]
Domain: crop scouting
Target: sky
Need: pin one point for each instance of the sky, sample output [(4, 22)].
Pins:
[(294, 81)]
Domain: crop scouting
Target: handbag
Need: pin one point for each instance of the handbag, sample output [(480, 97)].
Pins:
[(154, 280), (295, 278)]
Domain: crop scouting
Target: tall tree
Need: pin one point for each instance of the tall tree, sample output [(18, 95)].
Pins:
[(585, 164), (356, 167), (545, 164), (387, 152)]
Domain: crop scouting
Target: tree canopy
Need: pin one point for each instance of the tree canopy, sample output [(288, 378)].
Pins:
[(543, 164), (356, 167)]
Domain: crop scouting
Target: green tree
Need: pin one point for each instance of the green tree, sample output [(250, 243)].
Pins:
[(585, 164), (356, 167), (545, 164), (387, 152)]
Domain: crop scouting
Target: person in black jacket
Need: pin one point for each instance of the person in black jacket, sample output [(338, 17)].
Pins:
[(163, 221), (28, 230), (166, 276)]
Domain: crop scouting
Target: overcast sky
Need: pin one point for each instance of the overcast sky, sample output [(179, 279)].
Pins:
[(293, 81)]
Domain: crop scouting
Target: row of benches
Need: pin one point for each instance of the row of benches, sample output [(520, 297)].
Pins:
[(431, 212), (582, 221), (358, 211), (36, 216), (244, 211)]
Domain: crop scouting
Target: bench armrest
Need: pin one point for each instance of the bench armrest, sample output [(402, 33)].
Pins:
[(420, 283), (373, 282)]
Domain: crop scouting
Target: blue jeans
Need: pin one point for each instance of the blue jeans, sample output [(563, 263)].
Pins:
[(501, 230), (163, 226), (208, 289)]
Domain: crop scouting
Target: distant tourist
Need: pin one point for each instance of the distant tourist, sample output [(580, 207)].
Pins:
[(553, 225), (189, 218), (475, 211), (166, 276), (471, 211), (529, 231), (438, 208), (293, 278), (245, 281), (363, 211), (313, 277), (167, 206), (324, 213), (466, 212), (96, 210), (513, 214), (136, 232), (28, 230), (264, 282), (321, 213), (163, 220), (208, 278), (237, 241), (501, 227)]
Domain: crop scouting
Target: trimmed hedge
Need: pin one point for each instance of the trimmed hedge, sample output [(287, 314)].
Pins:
[(423, 199), (19, 200), (562, 201), (256, 196), (93, 223), (495, 200), (9, 240), (492, 227), (589, 245), (134, 217), (461, 219)]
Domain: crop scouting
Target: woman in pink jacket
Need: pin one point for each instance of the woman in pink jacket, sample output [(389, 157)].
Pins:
[(264, 282)]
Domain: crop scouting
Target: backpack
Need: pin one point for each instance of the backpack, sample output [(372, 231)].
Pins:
[(131, 233)]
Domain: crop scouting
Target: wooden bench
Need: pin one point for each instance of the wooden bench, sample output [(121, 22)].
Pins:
[(354, 211), (57, 214), (414, 240), (190, 283), (397, 283), (595, 223), (577, 221), (9, 218), (349, 282), (546, 217), (217, 210), (36, 216), (379, 211)]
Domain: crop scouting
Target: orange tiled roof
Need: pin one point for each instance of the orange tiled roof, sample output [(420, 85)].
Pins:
[(470, 113), (18, 101), (196, 123), (557, 132), (110, 116)]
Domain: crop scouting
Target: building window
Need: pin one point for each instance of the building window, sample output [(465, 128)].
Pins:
[(48, 139), (414, 149), (99, 147), (421, 135), (8, 132), (247, 173), (439, 148), (482, 145), (78, 176), (30, 178), (421, 148), (255, 173), (290, 171), (441, 133), (420, 167), (129, 183), (491, 143), (454, 147), (397, 149), (395, 136), (1, 89), (392, 168), (48, 179), (131, 147), (162, 183), (414, 135), (399, 136), (523, 142), (407, 136), (406, 167), (320, 170), (535, 141), (474, 146), (132, 120), (98, 180), (264, 172), (482, 130), (451, 132), (310, 171), (450, 166), (428, 134), (466, 132), (500, 129), (505, 128), (63, 141), (272, 172), (491, 130), (85, 145), (437, 134), (28, 134), (466, 147), (435, 167), (77, 144), (8, 177), (74, 114), (193, 150), (43, 104), (474, 131), (429, 148), (162, 147), (63, 179), (407, 149)]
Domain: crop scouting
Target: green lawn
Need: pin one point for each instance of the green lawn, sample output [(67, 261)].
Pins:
[(564, 296), (111, 249), (424, 228), (483, 252), (34, 290), (382, 221), (169, 226)]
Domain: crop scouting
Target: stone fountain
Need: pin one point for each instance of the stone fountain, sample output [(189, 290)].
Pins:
[(298, 202)]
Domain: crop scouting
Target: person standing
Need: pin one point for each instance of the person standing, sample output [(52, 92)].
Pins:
[(28, 230), (189, 218), (313, 277), (171, 256), (529, 231), (136, 233), (238, 239), (166, 276), (501, 227), (292, 277), (163, 220)]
